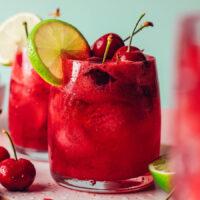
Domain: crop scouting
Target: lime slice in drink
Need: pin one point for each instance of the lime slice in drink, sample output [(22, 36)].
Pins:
[(48, 42), (13, 35), (161, 173)]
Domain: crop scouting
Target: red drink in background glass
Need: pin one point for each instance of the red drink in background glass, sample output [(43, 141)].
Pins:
[(28, 108), (2, 94), (104, 125), (187, 134)]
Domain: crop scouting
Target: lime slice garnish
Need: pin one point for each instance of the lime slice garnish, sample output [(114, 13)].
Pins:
[(160, 170), (13, 36), (48, 42)]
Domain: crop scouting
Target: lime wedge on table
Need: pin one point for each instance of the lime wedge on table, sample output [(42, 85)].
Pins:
[(161, 173), (48, 41), (13, 36)]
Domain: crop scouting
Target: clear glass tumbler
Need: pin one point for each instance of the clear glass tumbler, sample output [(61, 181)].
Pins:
[(28, 109), (104, 125)]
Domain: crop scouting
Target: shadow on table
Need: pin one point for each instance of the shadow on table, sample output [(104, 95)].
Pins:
[(37, 188)]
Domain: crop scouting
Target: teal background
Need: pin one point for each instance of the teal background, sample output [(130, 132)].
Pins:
[(97, 17)]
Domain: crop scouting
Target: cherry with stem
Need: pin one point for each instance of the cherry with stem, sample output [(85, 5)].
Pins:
[(129, 52), (16, 174)]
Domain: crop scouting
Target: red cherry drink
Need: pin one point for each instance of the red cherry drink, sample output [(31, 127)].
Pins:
[(187, 129), (28, 105), (104, 124)]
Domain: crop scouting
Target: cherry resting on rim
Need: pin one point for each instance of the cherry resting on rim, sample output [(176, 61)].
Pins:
[(16, 174), (134, 54), (99, 46), (3, 154), (129, 52)]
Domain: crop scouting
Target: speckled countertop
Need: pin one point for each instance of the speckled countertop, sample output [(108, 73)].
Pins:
[(45, 187)]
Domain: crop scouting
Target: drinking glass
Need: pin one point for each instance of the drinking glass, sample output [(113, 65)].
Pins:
[(104, 125), (28, 109), (187, 131)]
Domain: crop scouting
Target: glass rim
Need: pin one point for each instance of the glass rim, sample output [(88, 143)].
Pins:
[(149, 59)]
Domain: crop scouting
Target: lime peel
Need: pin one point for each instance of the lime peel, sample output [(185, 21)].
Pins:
[(12, 35), (160, 170), (46, 44)]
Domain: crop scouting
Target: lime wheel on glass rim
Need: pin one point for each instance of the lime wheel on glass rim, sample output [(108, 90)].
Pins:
[(48, 42), (13, 35)]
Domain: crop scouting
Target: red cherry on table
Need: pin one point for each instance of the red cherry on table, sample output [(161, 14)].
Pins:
[(17, 175), (132, 54), (99, 47), (3, 154)]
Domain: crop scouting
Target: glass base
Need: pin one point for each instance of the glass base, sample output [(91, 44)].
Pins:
[(32, 153), (106, 187)]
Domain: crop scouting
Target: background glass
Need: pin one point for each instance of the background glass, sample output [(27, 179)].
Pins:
[(28, 108), (187, 132)]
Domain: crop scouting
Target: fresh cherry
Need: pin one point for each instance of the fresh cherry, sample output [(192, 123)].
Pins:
[(134, 54), (4, 154), (16, 174), (129, 52), (99, 46)]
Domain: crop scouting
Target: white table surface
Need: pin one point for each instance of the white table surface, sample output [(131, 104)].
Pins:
[(44, 186)]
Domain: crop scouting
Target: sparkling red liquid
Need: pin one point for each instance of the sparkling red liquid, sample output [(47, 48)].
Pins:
[(104, 124), (28, 106)]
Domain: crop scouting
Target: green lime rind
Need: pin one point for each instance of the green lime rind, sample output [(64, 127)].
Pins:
[(161, 174), (34, 57), (38, 64), (6, 64)]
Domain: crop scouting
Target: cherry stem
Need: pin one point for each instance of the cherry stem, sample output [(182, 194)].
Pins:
[(142, 27), (56, 13), (109, 40), (132, 34), (11, 142), (127, 38), (26, 28)]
